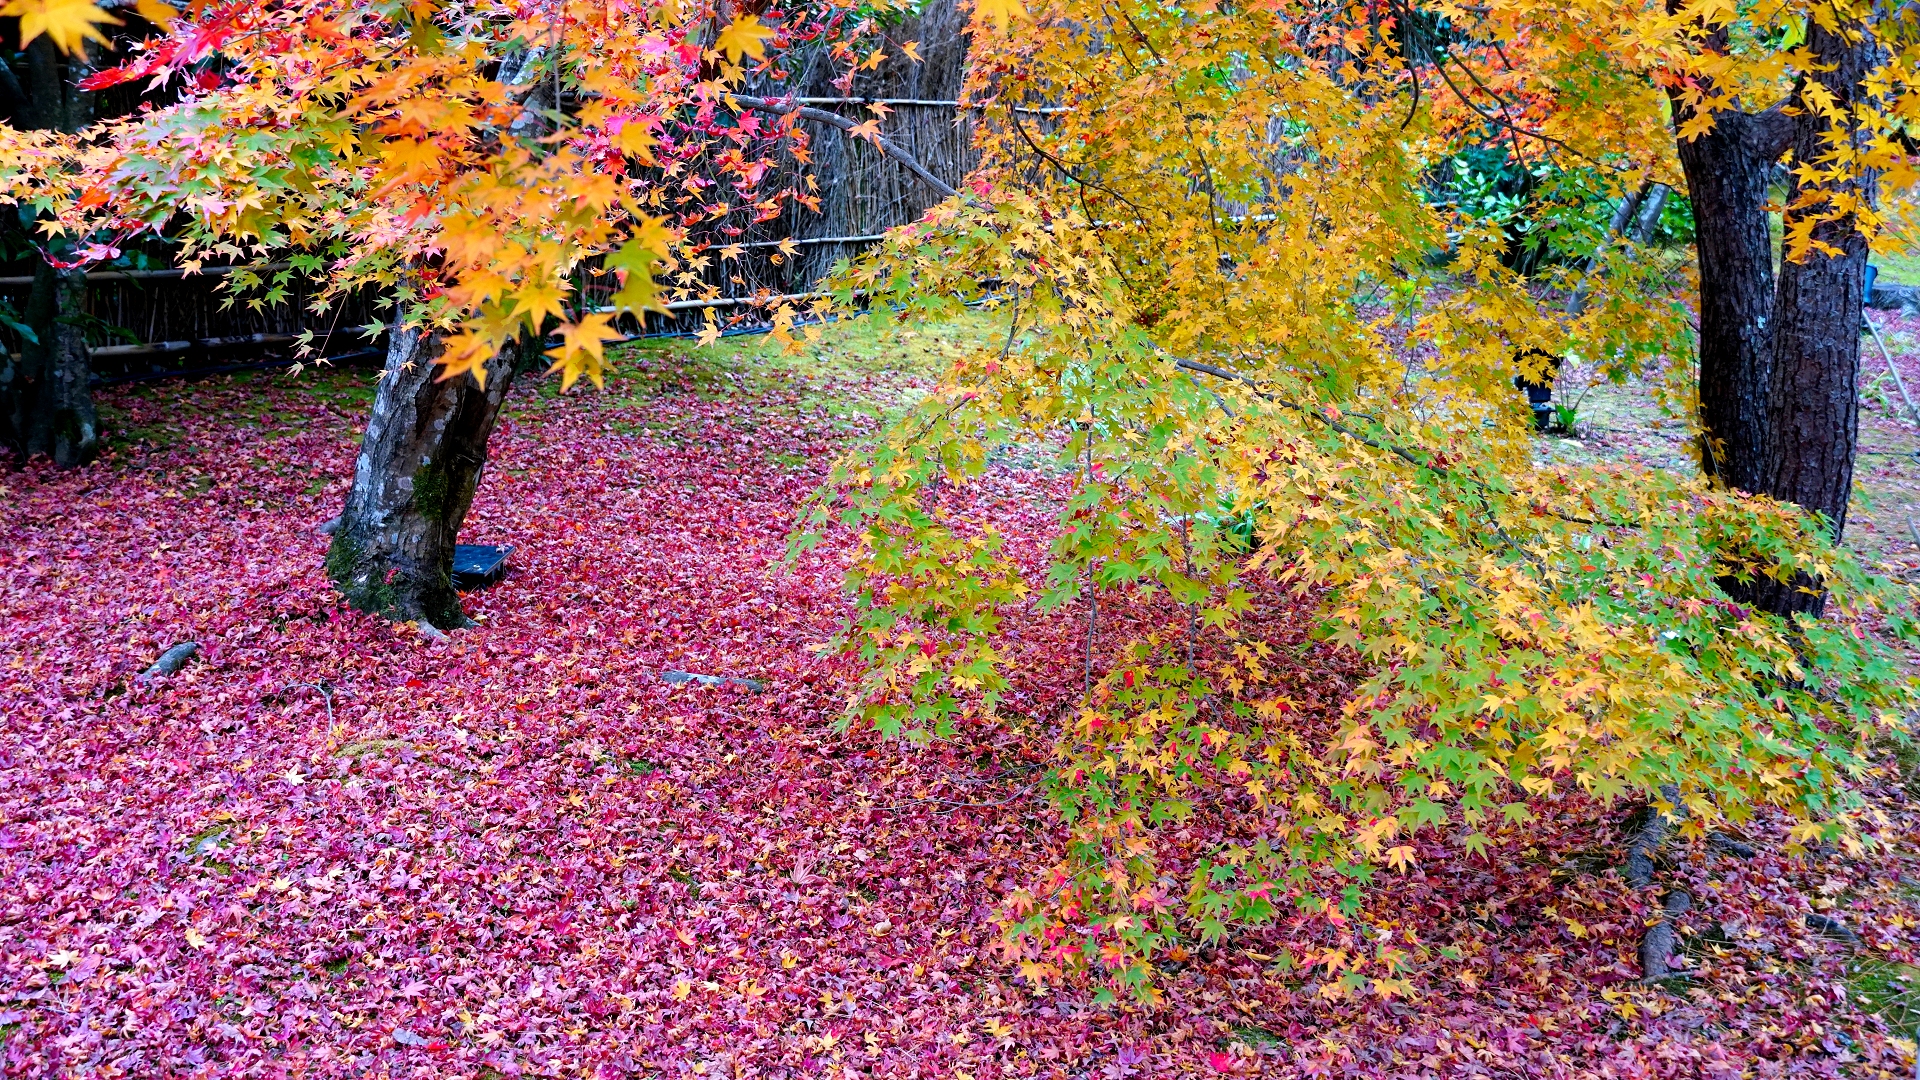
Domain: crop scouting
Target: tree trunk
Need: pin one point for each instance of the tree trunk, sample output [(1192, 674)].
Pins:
[(1778, 365), (413, 483), (46, 403), (1727, 170), (46, 406), (1813, 406)]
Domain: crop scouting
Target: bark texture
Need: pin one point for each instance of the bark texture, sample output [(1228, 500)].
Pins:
[(46, 404), (1727, 170), (413, 483), (1813, 406)]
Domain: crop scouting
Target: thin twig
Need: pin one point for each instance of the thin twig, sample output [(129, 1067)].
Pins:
[(1067, 170), (326, 695), (1361, 437)]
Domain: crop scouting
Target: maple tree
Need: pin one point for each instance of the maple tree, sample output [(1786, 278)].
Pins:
[(489, 170), (1214, 323)]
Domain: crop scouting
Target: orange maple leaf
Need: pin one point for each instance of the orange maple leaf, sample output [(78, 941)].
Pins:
[(465, 353)]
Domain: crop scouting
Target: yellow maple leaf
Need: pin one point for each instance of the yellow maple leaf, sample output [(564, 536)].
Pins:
[(652, 233), (582, 350), (635, 140), (155, 12), (68, 22), (465, 353), (535, 300), (744, 35), (1002, 12)]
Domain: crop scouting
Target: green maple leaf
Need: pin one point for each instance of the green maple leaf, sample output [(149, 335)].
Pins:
[(639, 293)]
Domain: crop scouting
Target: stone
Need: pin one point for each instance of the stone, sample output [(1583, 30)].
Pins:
[(682, 678), (172, 660), (1831, 927)]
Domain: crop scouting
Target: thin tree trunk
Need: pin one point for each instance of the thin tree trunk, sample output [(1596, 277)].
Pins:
[(46, 403), (413, 483), (48, 406)]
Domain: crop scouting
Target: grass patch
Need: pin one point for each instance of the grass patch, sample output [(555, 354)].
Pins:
[(370, 747), (884, 360), (1889, 989), (1257, 1036)]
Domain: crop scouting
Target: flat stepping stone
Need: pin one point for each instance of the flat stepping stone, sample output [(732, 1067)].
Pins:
[(476, 566)]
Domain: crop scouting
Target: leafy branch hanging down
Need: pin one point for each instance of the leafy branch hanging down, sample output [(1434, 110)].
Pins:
[(1243, 435)]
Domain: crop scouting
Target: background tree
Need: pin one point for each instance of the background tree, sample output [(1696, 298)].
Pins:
[(1778, 358), (46, 403)]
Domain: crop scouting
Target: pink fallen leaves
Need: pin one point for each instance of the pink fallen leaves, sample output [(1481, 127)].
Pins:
[(330, 847)]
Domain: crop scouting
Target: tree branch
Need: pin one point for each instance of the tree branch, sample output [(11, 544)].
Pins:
[(782, 106)]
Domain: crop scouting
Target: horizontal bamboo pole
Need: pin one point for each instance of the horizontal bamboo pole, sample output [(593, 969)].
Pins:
[(151, 275)]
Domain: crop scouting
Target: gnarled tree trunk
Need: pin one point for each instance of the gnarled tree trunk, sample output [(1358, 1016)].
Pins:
[(413, 483)]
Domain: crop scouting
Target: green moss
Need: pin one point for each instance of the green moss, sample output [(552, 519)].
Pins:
[(430, 492), (434, 598), (343, 566)]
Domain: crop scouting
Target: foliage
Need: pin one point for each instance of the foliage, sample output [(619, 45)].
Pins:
[(1550, 213), (502, 168), (1223, 328), (1209, 304)]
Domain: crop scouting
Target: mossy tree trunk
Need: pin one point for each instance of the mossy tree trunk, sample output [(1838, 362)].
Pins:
[(413, 483), (46, 403)]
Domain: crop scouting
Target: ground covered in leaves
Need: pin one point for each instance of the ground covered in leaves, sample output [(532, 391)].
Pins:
[(335, 847)]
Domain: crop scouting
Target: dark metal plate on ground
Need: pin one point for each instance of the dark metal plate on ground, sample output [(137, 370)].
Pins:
[(476, 566)]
